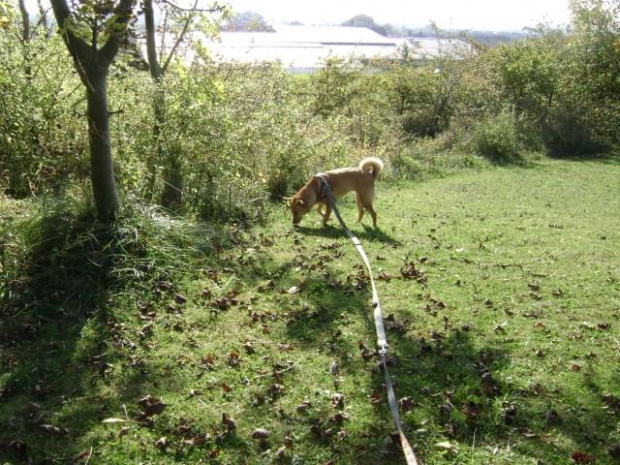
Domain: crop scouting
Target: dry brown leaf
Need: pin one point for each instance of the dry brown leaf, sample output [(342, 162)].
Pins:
[(54, 430), (260, 433)]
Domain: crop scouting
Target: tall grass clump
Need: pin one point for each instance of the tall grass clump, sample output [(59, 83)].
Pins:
[(60, 261)]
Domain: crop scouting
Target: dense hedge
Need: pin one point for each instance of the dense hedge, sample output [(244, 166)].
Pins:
[(235, 135)]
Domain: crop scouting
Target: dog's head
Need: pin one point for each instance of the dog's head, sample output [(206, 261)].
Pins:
[(299, 207)]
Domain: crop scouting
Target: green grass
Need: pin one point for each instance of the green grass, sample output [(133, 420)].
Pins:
[(507, 346)]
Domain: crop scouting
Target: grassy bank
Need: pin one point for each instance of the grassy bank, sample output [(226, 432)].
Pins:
[(169, 342)]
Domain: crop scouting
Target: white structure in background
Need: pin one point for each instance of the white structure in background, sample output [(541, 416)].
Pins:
[(303, 49)]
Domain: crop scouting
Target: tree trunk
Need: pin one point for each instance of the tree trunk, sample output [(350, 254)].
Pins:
[(25, 21), (170, 157), (156, 72), (92, 64), (102, 167), (151, 45), (43, 20)]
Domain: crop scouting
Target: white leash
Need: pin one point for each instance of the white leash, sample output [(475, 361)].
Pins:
[(380, 328)]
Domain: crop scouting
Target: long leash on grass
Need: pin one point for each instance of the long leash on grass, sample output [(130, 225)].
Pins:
[(380, 327)]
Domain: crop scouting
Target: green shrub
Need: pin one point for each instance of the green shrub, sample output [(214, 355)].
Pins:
[(497, 138), (569, 132), (41, 143)]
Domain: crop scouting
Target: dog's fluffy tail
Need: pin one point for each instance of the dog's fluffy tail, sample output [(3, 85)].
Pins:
[(372, 164)]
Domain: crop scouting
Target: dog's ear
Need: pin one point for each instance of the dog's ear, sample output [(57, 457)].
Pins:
[(300, 202)]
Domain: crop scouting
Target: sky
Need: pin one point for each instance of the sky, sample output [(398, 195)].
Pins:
[(488, 15)]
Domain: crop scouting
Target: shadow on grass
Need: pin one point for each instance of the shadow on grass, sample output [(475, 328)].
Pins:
[(516, 160), (60, 340), (336, 232), (62, 282), (452, 389), (453, 385), (607, 158)]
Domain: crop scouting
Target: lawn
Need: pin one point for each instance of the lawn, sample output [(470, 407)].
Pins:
[(169, 341)]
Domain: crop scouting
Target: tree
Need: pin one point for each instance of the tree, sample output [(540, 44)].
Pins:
[(248, 21), (93, 33), (365, 21), (595, 64), (25, 21), (181, 20)]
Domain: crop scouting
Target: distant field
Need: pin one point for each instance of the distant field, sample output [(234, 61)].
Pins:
[(501, 288)]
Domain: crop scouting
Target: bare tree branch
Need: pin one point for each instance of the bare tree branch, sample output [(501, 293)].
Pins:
[(180, 38), (78, 48), (195, 9)]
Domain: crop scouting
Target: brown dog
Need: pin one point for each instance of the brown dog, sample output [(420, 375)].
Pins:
[(342, 181)]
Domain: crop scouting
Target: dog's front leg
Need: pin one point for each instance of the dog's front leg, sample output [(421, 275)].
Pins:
[(327, 213)]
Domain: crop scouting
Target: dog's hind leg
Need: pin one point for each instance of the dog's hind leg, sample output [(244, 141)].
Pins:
[(360, 208), (372, 213), (364, 202)]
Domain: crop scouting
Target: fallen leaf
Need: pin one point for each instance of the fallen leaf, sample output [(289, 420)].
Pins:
[(54, 430), (162, 442), (154, 409), (15, 446), (260, 433), (446, 445), (80, 457), (233, 359), (582, 457), (303, 406), (209, 361), (230, 424), (338, 401), (198, 440)]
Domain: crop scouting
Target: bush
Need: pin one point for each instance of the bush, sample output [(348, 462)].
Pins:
[(41, 143), (569, 132), (497, 138)]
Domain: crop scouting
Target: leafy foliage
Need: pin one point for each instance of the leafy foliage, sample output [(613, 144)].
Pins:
[(236, 135), (497, 138), (41, 143)]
